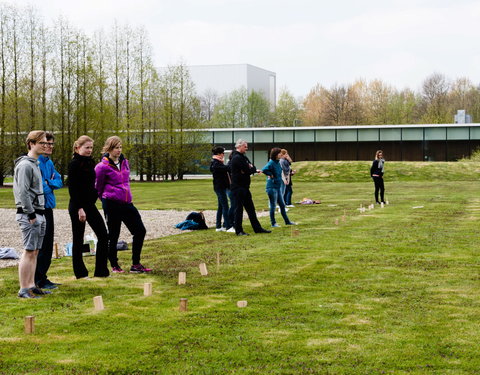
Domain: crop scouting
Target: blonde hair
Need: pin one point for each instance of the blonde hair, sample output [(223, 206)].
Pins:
[(111, 143), (34, 136), (378, 152), (81, 141)]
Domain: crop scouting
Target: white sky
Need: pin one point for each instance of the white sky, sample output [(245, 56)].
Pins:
[(304, 41)]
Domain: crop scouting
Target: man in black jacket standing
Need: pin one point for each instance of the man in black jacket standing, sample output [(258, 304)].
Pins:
[(241, 169)]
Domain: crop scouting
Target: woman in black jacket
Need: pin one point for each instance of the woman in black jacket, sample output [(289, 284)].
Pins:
[(376, 171), (83, 195), (221, 185)]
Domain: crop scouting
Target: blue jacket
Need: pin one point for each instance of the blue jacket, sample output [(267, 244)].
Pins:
[(273, 171), (51, 180)]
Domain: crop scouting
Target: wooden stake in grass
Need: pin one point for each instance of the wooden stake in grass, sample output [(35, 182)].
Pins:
[(183, 304), (218, 260), (29, 325), (147, 289), (56, 251), (98, 302), (203, 269), (182, 278), (241, 303)]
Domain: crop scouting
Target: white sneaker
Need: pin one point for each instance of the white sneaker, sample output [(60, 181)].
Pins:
[(222, 229), (290, 205), (286, 209), (231, 230)]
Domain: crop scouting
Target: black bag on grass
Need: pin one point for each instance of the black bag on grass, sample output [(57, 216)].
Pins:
[(199, 218)]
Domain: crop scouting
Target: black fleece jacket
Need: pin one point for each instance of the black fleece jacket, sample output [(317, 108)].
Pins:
[(81, 181), (241, 170), (220, 171)]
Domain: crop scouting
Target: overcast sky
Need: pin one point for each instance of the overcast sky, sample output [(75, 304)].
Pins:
[(304, 42)]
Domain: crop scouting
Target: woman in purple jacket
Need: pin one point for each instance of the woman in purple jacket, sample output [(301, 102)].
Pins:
[(113, 185)]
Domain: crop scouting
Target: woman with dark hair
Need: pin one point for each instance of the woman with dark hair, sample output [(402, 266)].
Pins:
[(376, 171), (221, 185), (113, 186), (83, 195), (273, 171)]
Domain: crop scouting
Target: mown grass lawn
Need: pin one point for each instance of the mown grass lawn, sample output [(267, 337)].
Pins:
[(393, 290)]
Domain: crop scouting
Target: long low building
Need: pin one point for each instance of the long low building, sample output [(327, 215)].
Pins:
[(433, 142)]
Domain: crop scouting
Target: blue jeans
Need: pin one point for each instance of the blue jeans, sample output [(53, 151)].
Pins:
[(275, 196), (222, 209), (287, 196)]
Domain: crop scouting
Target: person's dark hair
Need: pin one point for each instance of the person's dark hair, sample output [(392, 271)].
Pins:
[(274, 153), (49, 136), (218, 150)]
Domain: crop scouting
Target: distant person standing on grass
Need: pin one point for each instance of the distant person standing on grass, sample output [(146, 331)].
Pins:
[(287, 185), (113, 186), (30, 203), (83, 195), (241, 169), (273, 171), (221, 185), (51, 181), (376, 171)]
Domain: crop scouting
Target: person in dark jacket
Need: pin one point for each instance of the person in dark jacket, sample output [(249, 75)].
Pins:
[(221, 185), (51, 181), (376, 171), (113, 186), (241, 169), (83, 195)]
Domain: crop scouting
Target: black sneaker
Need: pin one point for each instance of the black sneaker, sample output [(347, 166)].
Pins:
[(139, 268), (48, 285), (263, 231), (39, 291)]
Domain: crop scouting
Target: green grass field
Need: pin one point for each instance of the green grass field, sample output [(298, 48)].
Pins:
[(390, 291)]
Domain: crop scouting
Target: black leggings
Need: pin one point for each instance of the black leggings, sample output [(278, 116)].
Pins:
[(116, 213), (95, 220), (379, 186)]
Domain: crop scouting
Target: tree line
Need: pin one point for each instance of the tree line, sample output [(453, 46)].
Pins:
[(57, 78)]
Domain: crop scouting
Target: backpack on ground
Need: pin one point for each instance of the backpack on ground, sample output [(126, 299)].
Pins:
[(199, 218)]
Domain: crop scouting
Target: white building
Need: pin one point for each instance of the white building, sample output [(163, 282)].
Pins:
[(223, 79)]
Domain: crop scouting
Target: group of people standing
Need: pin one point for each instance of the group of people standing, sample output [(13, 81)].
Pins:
[(35, 179), (233, 180)]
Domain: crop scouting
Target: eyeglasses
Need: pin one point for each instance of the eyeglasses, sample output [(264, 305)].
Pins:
[(48, 144)]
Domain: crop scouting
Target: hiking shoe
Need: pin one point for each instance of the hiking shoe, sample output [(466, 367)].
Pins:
[(117, 270), (27, 294), (138, 268), (36, 290)]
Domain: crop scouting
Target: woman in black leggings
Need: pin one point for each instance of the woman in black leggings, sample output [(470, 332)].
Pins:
[(83, 195), (376, 171)]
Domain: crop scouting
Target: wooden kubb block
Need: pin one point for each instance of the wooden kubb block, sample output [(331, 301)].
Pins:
[(29, 324), (183, 304), (203, 269), (182, 278), (241, 303), (98, 303), (147, 289)]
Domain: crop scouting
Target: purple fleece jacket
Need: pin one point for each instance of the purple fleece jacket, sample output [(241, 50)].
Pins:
[(112, 183)]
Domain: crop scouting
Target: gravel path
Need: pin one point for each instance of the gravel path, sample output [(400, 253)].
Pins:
[(159, 223)]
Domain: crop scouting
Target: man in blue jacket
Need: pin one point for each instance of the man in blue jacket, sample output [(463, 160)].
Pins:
[(51, 181)]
